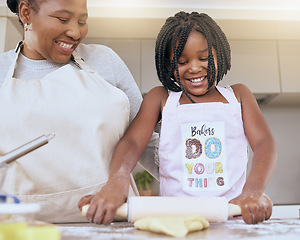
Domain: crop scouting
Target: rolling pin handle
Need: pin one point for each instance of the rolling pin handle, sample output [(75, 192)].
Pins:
[(234, 210), (122, 211)]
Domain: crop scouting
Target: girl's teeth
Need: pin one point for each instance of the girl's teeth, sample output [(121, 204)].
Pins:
[(197, 80)]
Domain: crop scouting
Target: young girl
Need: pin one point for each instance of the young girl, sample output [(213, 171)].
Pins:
[(205, 128)]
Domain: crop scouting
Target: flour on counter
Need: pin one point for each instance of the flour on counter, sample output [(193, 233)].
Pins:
[(93, 231), (236, 228), (268, 228)]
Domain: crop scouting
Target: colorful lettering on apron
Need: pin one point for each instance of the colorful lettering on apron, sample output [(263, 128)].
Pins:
[(203, 156)]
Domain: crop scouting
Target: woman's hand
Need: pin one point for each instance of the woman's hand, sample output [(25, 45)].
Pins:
[(255, 207), (103, 205)]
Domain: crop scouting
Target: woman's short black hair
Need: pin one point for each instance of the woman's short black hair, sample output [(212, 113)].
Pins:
[(13, 5)]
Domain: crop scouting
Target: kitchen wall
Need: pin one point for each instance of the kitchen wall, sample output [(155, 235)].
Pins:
[(284, 123)]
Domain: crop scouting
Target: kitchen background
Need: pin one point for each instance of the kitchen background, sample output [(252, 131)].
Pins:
[(265, 41)]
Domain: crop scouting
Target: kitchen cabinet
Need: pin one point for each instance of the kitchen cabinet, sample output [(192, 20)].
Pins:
[(139, 56), (255, 64), (149, 77), (11, 34), (127, 49), (2, 30), (289, 53)]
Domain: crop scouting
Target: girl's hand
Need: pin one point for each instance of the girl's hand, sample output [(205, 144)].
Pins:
[(103, 205), (255, 207)]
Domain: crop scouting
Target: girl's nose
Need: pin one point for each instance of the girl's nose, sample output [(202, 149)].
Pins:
[(195, 67)]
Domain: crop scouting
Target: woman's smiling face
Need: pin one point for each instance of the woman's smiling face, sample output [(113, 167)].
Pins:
[(58, 26)]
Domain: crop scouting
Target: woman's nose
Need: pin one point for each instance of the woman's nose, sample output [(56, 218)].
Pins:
[(74, 32)]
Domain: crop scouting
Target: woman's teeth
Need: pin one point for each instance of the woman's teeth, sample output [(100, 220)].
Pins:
[(197, 80), (65, 45)]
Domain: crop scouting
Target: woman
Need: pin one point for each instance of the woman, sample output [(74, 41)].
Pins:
[(53, 84)]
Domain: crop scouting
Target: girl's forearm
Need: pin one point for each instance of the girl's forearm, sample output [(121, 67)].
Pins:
[(125, 158), (263, 163)]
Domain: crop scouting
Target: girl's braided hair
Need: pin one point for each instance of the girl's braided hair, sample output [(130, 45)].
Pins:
[(172, 38)]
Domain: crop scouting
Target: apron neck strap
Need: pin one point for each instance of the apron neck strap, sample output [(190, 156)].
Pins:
[(11, 70), (228, 94), (173, 99), (19, 47), (79, 61)]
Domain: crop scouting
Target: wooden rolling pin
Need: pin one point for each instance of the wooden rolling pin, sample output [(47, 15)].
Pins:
[(215, 209)]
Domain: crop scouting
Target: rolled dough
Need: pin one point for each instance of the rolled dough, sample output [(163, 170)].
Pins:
[(176, 226)]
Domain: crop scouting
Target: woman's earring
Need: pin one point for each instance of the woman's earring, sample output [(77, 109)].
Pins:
[(28, 27)]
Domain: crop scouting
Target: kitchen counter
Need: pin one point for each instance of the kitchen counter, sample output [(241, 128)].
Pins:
[(275, 229), (283, 225)]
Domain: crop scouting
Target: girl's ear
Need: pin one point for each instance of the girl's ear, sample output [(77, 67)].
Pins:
[(24, 12)]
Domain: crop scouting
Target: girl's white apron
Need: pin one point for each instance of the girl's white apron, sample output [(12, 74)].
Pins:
[(203, 148), (88, 116)]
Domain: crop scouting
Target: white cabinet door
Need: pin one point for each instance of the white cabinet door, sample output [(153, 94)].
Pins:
[(11, 33), (255, 64), (289, 55), (3, 22), (149, 76)]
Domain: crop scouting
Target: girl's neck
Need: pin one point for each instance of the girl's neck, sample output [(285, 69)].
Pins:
[(212, 95)]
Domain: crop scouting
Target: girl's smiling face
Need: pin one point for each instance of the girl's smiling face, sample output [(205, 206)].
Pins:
[(192, 65), (58, 26)]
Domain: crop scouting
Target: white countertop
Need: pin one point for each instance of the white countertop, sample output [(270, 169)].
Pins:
[(283, 225), (286, 211), (274, 229)]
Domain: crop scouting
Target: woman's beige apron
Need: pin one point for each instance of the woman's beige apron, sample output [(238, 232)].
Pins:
[(88, 116)]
